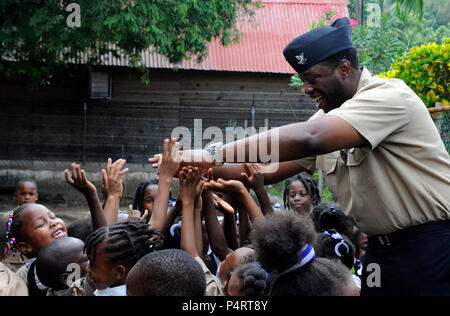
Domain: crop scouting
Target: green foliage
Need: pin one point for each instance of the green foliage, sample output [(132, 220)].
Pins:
[(378, 46), (426, 69), (326, 196), (406, 8), (35, 33)]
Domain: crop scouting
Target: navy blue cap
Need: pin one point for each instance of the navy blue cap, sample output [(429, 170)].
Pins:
[(317, 45)]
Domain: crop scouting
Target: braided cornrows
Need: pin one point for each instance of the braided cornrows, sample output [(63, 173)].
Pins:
[(17, 223), (126, 242), (310, 186)]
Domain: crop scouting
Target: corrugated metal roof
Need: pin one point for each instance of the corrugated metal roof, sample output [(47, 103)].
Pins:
[(260, 48)]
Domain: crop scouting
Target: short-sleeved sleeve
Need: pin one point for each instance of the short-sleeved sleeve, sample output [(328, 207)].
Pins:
[(377, 110)]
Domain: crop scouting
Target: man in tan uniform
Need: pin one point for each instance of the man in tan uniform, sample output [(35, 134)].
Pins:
[(382, 157)]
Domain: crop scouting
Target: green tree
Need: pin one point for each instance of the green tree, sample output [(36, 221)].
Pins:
[(37, 37)]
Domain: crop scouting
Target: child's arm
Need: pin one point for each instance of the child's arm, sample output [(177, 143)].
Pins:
[(198, 205), (256, 183), (238, 188), (215, 233), (80, 182), (135, 215), (229, 222), (168, 168), (244, 226), (115, 189), (171, 215), (105, 182), (190, 187)]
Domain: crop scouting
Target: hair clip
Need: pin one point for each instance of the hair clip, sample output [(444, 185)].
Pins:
[(267, 274), (335, 236), (336, 248), (10, 221)]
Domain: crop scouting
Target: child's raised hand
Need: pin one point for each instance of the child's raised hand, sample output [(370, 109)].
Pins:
[(77, 292), (256, 178), (135, 215), (222, 206), (79, 180), (168, 162), (231, 186), (191, 184), (105, 179), (115, 174)]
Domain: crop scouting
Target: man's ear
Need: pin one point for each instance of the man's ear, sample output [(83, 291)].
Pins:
[(344, 68), (24, 247)]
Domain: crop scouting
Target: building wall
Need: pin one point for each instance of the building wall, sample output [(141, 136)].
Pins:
[(50, 124)]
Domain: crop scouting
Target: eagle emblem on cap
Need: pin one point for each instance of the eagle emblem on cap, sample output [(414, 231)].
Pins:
[(301, 59)]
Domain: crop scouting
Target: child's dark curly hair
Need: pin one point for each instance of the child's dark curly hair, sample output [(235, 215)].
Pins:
[(17, 223), (310, 186), (254, 279), (335, 248), (127, 242), (280, 237), (328, 216), (322, 277)]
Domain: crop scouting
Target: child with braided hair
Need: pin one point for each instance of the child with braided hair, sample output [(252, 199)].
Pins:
[(332, 245), (283, 248), (301, 194), (32, 227), (114, 249), (26, 192), (10, 283)]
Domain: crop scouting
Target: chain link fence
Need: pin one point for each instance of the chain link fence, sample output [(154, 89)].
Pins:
[(441, 117)]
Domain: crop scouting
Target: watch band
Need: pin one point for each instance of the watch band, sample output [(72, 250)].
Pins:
[(213, 149)]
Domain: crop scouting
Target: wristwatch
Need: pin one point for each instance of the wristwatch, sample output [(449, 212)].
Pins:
[(213, 149)]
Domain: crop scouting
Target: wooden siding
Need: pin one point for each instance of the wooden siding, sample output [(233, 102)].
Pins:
[(48, 124)]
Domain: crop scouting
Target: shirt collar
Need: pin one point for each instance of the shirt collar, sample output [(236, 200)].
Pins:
[(112, 291), (364, 78)]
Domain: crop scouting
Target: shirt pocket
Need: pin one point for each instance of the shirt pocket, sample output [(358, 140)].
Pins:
[(355, 156), (328, 165), (362, 177)]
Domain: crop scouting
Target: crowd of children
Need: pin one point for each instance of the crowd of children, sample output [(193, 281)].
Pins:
[(217, 239)]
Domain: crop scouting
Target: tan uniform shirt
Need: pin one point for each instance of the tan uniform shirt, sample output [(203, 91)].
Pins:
[(212, 283), (10, 283), (402, 178)]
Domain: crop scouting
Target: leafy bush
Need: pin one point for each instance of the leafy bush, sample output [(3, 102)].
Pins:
[(425, 69)]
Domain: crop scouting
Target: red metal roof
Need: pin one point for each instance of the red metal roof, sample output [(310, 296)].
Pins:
[(260, 48)]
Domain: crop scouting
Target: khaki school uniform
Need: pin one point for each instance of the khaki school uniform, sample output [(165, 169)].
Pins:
[(212, 283), (402, 178), (10, 283)]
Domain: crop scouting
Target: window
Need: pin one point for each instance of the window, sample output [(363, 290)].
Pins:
[(100, 85)]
